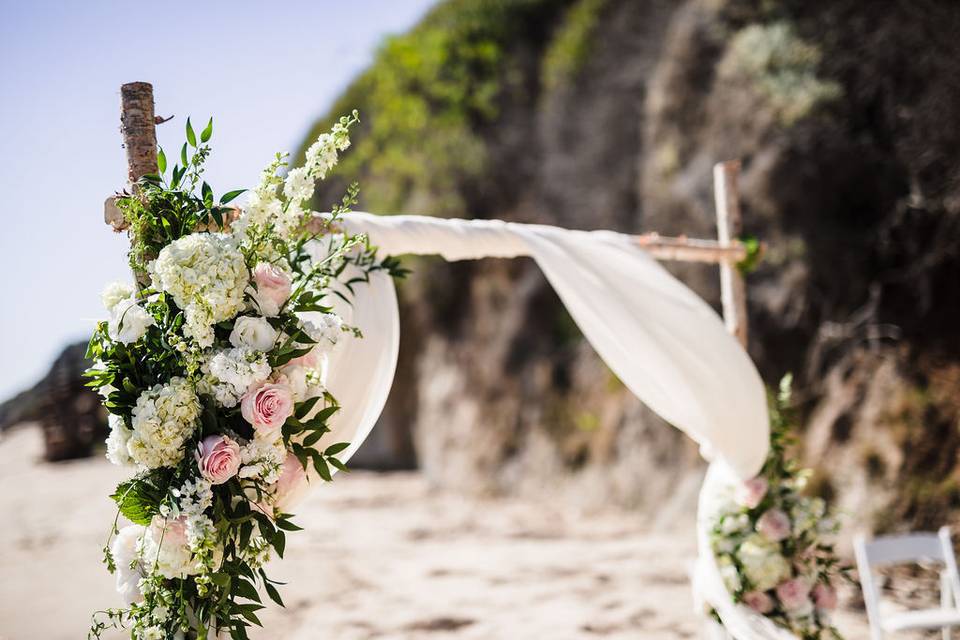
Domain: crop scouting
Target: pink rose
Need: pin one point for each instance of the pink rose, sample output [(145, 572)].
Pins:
[(751, 492), (794, 595), (825, 597), (289, 488), (273, 288), (172, 531), (218, 458), (774, 525), (267, 407), (309, 360), (758, 601)]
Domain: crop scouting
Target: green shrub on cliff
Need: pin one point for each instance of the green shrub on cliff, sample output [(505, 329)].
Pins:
[(782, 67), (424, 98), (571, 45)]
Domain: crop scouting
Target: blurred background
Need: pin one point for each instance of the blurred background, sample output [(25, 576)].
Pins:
[(515, 487)]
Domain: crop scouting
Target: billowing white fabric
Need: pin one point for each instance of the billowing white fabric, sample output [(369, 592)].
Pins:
[(665, 343)]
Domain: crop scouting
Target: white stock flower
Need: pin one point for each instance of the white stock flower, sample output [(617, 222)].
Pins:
[(128, 321), (298, 185), (321, 156), (206, 274), (262, 460), (262, 207), (164, 417), (117, 442), (256, 333), (115, 292), (762, 562), (230, 372), (305, 382), (324, 328)]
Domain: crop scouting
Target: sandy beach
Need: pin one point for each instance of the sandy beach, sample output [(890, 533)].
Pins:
[(383, 556)]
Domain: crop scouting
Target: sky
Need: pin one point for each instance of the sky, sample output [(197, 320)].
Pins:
[(264, 71)]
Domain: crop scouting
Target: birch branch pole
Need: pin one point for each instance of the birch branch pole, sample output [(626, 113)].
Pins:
[(139, 131), (733, 288)]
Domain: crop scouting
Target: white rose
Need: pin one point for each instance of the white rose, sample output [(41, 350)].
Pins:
[(117, 452), (255, 333), (128, 321), (124, 551), (114, 293)]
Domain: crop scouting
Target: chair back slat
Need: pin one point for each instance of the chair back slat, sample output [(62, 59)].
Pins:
[(915, 547), (900, 549)]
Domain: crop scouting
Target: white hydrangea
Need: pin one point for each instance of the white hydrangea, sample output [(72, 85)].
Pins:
[(262, 460), (762, 562), (164, 417), (128, 321), (117, 452), (324, 328), (230, 372), (206, 274), (114, 293)]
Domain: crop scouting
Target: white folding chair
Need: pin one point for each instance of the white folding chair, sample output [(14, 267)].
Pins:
[(916, 547)]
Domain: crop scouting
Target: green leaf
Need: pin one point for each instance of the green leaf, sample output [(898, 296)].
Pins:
[(286, 525), (161, 160), (322, 469), (324, 414), (246, 530), (252, 617), (207, 131), (313, 438), (191, 136), (183, 155), (274, 594), (207, 194), (243, 589), (138, 500), (230, 195), (334, 449), (221, 579), (303, 408), (279, 542)]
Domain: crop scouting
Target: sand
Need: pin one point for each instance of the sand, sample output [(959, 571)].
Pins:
[(382, 557)]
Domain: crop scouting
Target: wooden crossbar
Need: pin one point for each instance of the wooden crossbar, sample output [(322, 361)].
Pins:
[(138, 126)]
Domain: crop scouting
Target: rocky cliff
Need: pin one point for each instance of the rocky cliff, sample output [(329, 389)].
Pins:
[(609, 114)]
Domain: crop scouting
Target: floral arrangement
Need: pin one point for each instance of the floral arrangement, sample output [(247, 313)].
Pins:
[(212, 366), (771, 541)]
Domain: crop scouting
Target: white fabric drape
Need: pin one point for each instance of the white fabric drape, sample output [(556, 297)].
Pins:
[(665, 343)]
